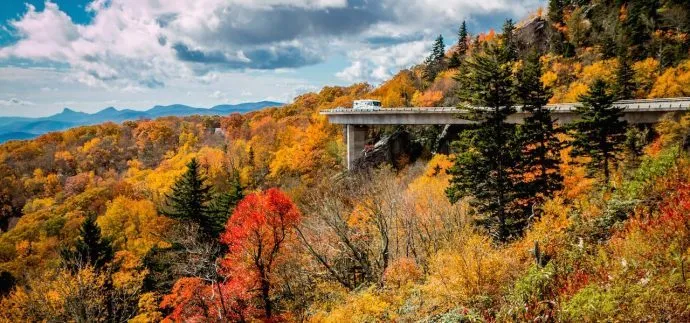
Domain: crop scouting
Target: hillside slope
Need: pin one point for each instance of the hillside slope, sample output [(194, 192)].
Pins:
[(384, 244)]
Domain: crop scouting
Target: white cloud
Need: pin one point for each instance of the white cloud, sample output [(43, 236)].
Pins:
[(145, 48), (412, 28), (81, 97), (118, 50), (378, 65), (217, 95), (15, 102)]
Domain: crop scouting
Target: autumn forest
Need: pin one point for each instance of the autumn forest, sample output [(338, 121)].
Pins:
[(254, 217)]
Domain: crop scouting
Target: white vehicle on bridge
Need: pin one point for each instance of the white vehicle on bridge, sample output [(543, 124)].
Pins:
[(366, 104)]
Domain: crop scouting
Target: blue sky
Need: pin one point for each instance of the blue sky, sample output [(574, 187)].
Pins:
[(91, 54)]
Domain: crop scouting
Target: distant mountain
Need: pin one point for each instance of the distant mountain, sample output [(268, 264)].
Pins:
[(244, 107), (69, 115), (175, 109), (41, 126), (15, 136), (19, 128)]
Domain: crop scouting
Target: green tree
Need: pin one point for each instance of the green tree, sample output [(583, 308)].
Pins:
[(636, 138), (509, 42), (600, 131), (540, 146), (190, 201), (462, 47), (557, 41), (556, 11), (91, 248), (486, 155), (203, 214), (625, 84), (224, 202), (463, 39), (435, 63), (638, 26)]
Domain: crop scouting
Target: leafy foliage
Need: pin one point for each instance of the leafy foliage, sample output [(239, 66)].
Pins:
[(91, 249), (385, 244)]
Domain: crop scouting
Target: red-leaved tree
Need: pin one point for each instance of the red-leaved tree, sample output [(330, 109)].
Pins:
[(256, 234)]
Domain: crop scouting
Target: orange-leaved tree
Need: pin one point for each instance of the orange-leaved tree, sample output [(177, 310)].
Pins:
[(256, 234)]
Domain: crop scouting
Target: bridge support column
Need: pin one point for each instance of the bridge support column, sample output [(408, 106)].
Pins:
[(355, 139)]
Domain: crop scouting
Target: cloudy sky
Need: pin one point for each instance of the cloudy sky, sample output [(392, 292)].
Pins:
[(91, 54)]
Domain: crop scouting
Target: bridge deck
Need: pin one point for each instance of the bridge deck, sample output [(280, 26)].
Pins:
[(636, 111)]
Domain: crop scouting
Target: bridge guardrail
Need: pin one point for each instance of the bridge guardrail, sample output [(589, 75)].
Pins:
[(663, 104)]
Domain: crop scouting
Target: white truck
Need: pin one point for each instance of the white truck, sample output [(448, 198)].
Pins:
[(366, 104)]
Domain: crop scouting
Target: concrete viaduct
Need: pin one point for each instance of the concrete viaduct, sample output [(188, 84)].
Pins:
[(358, 121)]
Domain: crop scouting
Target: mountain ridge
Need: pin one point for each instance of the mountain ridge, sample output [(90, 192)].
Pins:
[(21, 128)]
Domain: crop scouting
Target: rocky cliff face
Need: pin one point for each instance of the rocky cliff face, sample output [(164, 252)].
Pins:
[(395, 149), (533, 34), (407, 144)]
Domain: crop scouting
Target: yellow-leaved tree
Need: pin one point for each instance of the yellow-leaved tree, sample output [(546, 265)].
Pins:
[(605, 70), (427, 98), (310, 148), (397, 92), (646, 74), (134, 225), (674, 82)]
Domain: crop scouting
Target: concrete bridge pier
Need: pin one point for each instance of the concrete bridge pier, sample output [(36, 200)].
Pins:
[(356, 139)]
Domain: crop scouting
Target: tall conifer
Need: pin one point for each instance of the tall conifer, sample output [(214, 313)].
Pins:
[(463, 39), (190, 201), (600, 132), (91, 248), (462, 47), (435, 63), (509, 46), (540, 146), (625, 85), (224, 202), (556, 20), (483, 168)]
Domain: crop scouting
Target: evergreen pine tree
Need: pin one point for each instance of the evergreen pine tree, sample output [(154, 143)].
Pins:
[(485, 156), (509, 46), (555, 16), (91, 248), (435, 62), (608, 46), (636, 31), (439, 49), (635, 140), (462, 47), (600, 132), (540, 146), (463, 39), (190, 200), (625, 85), (224, 202), (455, 61), (556, 11)]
